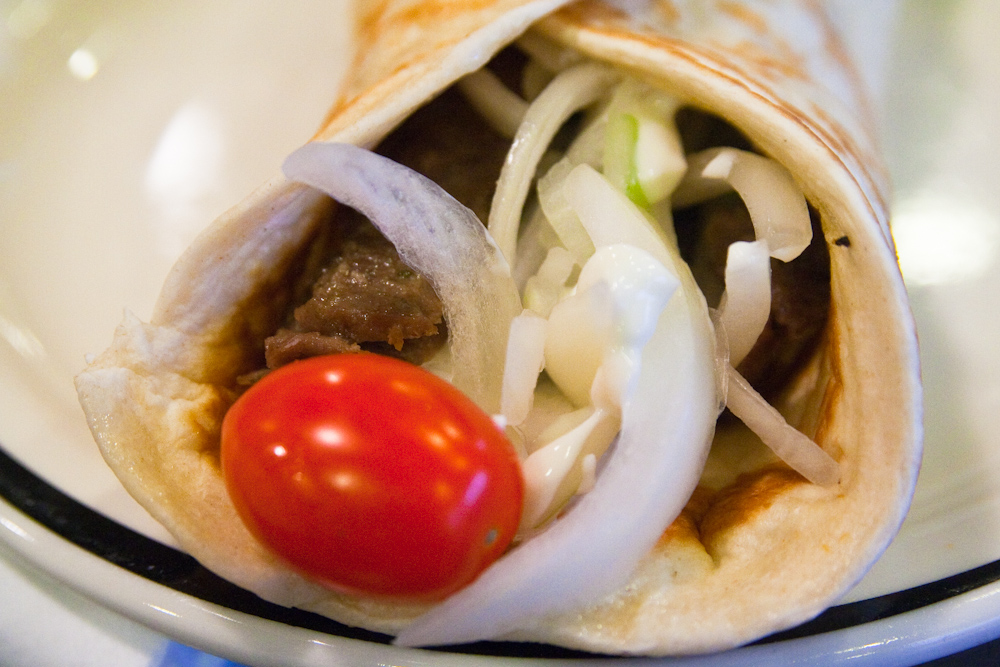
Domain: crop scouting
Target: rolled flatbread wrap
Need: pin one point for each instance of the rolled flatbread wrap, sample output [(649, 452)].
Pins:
[(716, 146)]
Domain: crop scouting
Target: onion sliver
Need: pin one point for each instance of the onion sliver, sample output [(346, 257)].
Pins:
[(533, 244), (644, 156), (437, 236), (544, 289), (525, 358), (797, 450), (645, 481), (588, 146), (572, 90), (746, 304), (553, 473), (502, 108), (559, 213), (610, 217), (776, 204)]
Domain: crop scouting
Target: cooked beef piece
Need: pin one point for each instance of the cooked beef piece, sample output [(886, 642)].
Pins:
[(800, 289), (449, 143), (287, 346), (365, 295), (368, 294)]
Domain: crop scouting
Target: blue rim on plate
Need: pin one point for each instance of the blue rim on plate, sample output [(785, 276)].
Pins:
[(176, 570)]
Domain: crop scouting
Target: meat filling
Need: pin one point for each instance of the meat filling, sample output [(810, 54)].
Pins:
[(448, 142), (366, 298)]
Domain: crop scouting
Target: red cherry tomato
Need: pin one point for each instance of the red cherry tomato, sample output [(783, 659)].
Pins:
[(372, 476)]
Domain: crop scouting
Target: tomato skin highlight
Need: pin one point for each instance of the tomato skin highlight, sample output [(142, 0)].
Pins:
[(372, 476)]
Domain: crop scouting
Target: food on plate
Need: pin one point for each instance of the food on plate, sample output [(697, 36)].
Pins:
[(634, 261)]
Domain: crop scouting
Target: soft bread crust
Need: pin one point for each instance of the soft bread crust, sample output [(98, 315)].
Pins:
[(757, 549)]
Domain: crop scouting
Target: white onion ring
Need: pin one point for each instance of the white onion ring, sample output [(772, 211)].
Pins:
[(500, 106), (777, 207), (572, 90), (746, 304), (797, 450), (525, 358)]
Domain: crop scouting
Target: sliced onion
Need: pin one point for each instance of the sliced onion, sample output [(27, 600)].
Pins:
[(610, 217), (537, 235), (659, 159), (553, 473), (781, 223), (588, 146), (605, 323), (574, 89), (533, 244), (436, 236), (561, 216), (580, 330), (544, 289), (501, 107), (722, 364), (746, 303), (794, 448), (644, 156), (776, 204), (525, 358)]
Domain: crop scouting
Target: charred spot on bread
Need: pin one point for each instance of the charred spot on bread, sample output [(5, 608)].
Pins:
[(738, 503)]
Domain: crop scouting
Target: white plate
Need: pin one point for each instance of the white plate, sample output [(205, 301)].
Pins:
[(126, 126)]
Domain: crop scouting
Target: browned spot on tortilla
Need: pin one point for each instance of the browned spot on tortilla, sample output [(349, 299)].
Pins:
[(588, 20), (739, 502), (378, 19), (668, 12), (431, 13), (745, 15), (592, 13), (773, 67), (685, 526)]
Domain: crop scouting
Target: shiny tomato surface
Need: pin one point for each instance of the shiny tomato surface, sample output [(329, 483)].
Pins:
[(372, 476)]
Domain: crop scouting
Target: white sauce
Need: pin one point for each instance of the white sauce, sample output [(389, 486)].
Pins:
[(593, 344)]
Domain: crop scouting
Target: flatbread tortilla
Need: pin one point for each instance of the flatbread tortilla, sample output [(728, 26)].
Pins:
[(757, 549)]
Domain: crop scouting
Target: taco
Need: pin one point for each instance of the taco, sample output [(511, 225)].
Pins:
[(705, 172)]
